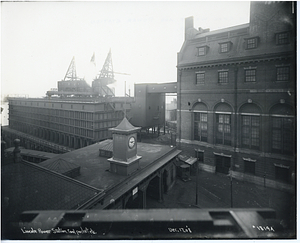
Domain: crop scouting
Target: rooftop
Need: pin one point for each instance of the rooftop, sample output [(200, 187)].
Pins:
[(95, 169), (34, 153), (27, 186)]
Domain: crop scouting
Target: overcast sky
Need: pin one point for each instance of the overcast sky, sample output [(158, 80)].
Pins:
[(39, 39)]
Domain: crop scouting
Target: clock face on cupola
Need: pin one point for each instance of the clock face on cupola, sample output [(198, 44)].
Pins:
[(124, 145), (131, 142)]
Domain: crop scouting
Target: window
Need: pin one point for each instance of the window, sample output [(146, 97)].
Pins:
[(251, 43), (223, 134), (200, 78), (223, 77), (249, 166), (202, 50), (225, 47), (282, 38), (250, 131), (250, 75), (283, 73), (282, 135), (200, 126)]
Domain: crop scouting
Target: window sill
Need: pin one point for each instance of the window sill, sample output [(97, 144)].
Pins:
[(281, 81)]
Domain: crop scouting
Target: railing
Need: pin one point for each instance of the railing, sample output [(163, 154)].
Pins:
[(147, 224)]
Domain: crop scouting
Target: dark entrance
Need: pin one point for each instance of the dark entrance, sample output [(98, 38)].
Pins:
[(222, 164), (153, 188), (135, 201), (282, 174)]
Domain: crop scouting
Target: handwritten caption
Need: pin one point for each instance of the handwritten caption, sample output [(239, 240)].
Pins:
[(180, 230), (263, 228), (58, 230)]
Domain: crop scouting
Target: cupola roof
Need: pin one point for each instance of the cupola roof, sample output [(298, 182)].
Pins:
[(125, 127)]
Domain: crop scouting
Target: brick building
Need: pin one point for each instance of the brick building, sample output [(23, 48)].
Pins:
[(236, 96)]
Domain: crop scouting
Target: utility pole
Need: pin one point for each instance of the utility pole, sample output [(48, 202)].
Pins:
[(231, 201), (197, 165)]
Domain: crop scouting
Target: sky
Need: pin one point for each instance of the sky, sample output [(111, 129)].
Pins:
[(39, 40)]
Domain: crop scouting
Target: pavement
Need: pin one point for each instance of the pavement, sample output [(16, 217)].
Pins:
[(214, 191)]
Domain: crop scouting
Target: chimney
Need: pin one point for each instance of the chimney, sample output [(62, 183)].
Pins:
[(201, 30), (17, 151), (189, 24)]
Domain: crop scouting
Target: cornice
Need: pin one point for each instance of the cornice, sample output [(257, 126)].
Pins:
[(236, 61)]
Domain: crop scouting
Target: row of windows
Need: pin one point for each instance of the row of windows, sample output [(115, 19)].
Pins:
[(57, 122), (33, 111), (46, 134), (61, 115), (282, 74), (282, 130), (99, 107), (250, 43), (102, 134)]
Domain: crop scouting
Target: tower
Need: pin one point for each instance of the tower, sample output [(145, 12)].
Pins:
[(105, 78), (125, 159), (71, 72)]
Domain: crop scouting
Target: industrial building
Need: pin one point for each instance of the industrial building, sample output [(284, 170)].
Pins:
[(72, 116), (236, 96), (76, 115)]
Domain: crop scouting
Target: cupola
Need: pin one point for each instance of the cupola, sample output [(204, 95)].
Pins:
[(125, 159)]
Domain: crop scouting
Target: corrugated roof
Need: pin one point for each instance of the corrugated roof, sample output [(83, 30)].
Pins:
[(108, 146)]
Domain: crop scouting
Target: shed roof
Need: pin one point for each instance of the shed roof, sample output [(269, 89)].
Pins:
[(27, 186), (60, 166)]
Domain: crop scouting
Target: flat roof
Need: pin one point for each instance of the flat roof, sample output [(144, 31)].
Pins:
[(95, 169)]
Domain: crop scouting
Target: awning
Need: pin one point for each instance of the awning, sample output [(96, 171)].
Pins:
[(188, 160)]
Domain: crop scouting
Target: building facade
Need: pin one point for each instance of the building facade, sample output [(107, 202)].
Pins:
[(236, 96), (149, 109), (74, 123)]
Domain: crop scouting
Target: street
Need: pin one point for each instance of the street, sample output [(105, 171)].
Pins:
[(214, 191)]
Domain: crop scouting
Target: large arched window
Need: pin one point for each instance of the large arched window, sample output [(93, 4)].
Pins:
[(223, 123), (250, 126), (282, 129), (200, 122)]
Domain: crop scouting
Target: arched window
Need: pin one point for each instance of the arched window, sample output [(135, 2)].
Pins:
[(200, 122), (223, 124), (250, 126), (282, 129)]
